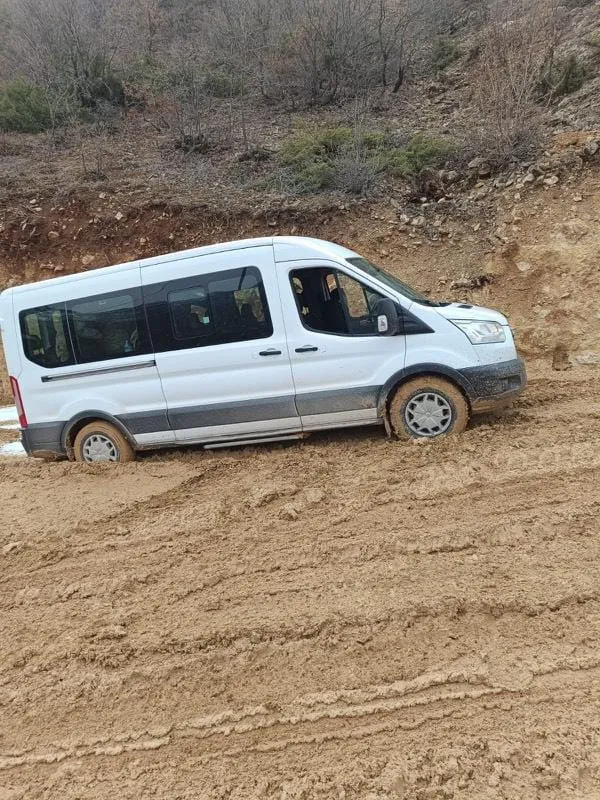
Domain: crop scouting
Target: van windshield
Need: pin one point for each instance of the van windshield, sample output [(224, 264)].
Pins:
[(389, 280)]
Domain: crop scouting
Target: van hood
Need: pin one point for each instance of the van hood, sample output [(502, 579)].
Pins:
[(467, 311)]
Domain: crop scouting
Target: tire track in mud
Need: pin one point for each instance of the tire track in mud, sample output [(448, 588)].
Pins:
[(542, 391), (179, 496), (51, 555), (546, 491), (236, 585), (355, 627), (417, 702), (428, 483), (285, 564), (498, 669)]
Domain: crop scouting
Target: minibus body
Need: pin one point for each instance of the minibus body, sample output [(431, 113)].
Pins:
[(242, 342)]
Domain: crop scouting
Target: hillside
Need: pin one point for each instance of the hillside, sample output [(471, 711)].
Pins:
[(530, 248), (467, 170)]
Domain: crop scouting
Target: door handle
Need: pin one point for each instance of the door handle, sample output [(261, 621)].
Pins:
[(270, 352), (308, 348)]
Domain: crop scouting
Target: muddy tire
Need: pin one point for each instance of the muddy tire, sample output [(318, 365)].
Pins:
[(426, 407), (100, 441)]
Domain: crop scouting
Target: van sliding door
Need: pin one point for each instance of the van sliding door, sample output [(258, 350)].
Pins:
[(220, 345)]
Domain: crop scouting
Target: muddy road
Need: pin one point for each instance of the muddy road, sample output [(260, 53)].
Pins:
[(344, 618)]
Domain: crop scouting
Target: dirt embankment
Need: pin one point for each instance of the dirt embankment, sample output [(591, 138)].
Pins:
[(348, 617)]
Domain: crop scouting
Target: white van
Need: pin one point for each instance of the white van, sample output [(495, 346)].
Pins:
[(251, 341)]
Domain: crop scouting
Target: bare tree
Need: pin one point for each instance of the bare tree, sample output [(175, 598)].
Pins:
[(398, 25), (151, 20), (319, 50)]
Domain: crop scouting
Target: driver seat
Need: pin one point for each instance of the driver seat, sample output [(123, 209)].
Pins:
[(337, 312)]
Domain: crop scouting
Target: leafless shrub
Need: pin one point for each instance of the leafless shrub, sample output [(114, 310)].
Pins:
[(315, 51), (94, 149), (355, 172), (183, 113), (519, 42), (201, 64), (321, 50), (67, 46)]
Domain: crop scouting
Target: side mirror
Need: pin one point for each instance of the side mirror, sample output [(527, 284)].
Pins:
[(388, 319)]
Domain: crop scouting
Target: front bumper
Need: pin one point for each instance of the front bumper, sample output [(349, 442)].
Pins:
[(493, 386)]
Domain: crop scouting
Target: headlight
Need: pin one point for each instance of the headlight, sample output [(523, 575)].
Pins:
[(480, 331)]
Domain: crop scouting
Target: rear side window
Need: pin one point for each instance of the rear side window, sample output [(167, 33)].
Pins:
[(45, 336), (212, 309), (108, 326), (190, 313)]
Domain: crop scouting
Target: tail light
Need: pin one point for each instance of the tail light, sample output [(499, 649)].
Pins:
[(14, 385)]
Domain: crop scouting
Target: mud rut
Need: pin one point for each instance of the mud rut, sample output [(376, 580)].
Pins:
[(343, 618)]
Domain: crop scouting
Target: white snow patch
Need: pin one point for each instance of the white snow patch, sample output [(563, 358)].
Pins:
[(8, 414), (12, 449)]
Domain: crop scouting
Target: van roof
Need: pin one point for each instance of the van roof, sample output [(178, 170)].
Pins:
[(287, 248)]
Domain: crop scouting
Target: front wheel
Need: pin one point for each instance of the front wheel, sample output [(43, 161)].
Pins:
[(426, 407), (101, 441)]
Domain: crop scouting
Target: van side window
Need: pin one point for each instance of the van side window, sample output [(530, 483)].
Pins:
[(45, 336), (108, 326), (330, 301), (212, 309), (190, 313)]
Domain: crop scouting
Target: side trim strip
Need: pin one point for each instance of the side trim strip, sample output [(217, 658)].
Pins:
[(328, 409), (86, 373), (337, 401), (145, 422), (232, 413)]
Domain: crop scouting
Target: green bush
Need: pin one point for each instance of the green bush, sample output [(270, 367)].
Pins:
[(420, 152), (223, 83), (445, 52), (23, 108), (373, 141), (315, 177), (308, 145), (570, 76), (563, 76), (593, 40), (316, 159), (310, 157)]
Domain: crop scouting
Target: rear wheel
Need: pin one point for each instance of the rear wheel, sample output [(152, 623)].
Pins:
[(426, 407), (100, 441)]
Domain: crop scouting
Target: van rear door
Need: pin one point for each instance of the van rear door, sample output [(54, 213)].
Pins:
[(220, 345), (86, 351)]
